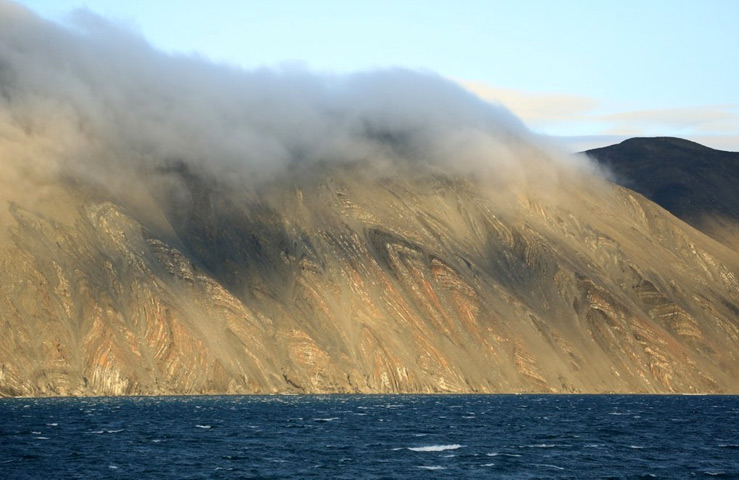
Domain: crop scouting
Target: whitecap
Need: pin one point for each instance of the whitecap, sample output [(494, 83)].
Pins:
[(325, 419), (203, 426), (114, 431), (488, 465), (435, 448), (112, 467), (431, 467), (35, 433), (41, 438), (636, 447), (52, 424)]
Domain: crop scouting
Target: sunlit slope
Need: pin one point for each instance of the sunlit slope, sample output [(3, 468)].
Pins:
[(350, 281)]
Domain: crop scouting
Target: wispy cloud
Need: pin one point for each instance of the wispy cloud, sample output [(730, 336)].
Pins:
[(534, 108), (586, 122), (701, 119)]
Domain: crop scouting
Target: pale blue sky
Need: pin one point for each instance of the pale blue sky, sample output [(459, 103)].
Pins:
[(569, 68)]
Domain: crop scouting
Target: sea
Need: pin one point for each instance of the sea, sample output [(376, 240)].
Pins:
[(371, 436)]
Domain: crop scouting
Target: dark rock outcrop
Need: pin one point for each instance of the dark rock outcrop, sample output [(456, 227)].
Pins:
[(693, 182)]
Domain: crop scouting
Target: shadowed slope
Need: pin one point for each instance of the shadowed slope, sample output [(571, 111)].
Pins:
[(695, 183)]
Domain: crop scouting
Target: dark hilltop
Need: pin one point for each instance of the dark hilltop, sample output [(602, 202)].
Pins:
[(695, 183)]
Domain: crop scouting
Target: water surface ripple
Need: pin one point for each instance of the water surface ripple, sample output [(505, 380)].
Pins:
[(454, 436)]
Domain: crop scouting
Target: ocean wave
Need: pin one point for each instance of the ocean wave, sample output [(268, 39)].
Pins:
[(548, 465), (435, 448)]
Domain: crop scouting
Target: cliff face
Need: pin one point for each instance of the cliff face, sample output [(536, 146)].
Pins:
[(171, 225), (353, 281)]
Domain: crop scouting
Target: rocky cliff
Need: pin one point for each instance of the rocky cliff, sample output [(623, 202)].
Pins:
[(348, 280), (173, 226)]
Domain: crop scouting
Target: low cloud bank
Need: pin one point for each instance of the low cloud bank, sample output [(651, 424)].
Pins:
[(92, 99)]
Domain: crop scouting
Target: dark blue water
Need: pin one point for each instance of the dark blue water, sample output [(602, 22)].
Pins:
[(496, 436)]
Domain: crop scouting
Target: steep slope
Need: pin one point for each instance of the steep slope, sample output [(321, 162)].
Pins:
[(171, 225), (347, 280), (695, 183)]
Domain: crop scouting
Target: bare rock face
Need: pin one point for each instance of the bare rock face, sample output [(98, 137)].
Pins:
[(173, 226), (352, 281)]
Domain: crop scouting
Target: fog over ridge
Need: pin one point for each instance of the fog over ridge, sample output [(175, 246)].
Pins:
[(93, 98)]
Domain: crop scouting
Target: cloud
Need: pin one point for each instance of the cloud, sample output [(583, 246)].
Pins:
[(94, 101), (535, 108), (699, 119), (583, 122)]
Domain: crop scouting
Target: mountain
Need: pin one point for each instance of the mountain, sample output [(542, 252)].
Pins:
[(170, 225), (695, 183), (350, 278)]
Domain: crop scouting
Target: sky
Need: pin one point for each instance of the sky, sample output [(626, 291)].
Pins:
[(591, 73)]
